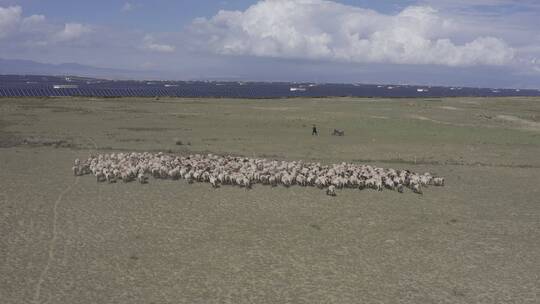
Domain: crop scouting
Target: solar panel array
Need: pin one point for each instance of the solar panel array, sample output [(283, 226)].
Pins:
[(44, 86)]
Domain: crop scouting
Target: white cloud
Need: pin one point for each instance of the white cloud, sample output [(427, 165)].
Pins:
[(33, 24), (127, 7), (34, 19), (163, 48), (72, 31), (10, 17), (35, 30), (326, 30), (12, 22), (149, 44), (130, 6)]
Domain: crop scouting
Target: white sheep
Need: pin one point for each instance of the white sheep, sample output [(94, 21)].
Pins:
[(416, 188), (213, 182), (438, 181), (301, 180), (99, 176), (331, 190), (142, 178), (244, 172)]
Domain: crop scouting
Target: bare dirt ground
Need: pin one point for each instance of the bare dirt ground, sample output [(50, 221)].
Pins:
[(66, 239)]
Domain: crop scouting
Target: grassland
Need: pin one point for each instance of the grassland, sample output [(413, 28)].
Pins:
[(65, 239)]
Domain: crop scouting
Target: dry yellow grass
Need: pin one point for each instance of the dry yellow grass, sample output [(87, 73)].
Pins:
[(70, 240)]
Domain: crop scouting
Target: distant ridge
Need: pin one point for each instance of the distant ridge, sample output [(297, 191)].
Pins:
[(29, 67)]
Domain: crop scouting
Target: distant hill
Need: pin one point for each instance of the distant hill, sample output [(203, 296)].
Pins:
[(18, 67)]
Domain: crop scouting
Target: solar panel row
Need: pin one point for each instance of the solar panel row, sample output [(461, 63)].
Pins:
[(254, 90)]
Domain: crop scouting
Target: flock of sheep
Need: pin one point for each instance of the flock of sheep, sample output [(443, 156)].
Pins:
[(245, 172)]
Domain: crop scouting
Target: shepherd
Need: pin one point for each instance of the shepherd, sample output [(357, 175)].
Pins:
[(314, 131)]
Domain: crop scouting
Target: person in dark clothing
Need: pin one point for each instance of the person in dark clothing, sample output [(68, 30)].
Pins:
[(314, 131)]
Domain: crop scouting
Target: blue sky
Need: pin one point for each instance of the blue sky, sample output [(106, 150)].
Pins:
[(450, 42)]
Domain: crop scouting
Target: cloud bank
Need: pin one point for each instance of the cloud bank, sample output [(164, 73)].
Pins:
[(150, 45), (72, 31), (35, 29), (326, 30), (11, 20)]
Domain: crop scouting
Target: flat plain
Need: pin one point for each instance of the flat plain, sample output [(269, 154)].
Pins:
[(67, 239)]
